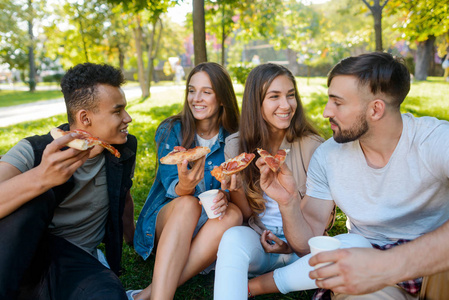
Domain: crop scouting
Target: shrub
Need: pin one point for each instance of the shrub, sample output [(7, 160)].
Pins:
[(240, 71), (53, 78)]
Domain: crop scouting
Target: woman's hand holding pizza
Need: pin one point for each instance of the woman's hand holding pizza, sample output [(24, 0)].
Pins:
[(233, 183), (189, 178), (280, 186)]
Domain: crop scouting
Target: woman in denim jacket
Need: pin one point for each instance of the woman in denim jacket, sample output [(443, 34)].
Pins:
[(172, 219)]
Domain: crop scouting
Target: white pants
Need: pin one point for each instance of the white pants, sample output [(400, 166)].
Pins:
[(240, 255)]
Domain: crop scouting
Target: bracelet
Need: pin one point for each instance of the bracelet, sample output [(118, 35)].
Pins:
[(250, 296)]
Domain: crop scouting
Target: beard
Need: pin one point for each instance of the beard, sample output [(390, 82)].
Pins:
[(355, 132)]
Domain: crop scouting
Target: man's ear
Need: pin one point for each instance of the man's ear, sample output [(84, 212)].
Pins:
[(83, 118), (377, 109)]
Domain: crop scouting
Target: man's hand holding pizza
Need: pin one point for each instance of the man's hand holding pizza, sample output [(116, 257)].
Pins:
[(58, 166)]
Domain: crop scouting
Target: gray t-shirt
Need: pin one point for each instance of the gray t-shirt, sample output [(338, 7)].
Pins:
[(403, 200), (81, 216)]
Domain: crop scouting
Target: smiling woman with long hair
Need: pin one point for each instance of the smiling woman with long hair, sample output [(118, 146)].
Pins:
[(272, 119), (172, 219)]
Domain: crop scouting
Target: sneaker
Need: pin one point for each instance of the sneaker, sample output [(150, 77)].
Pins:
[(131, 293)]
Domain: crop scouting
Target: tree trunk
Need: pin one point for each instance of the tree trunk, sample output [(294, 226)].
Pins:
[(156, 50), (424, 55), (377, 15), (83, 38), (293, 65), (140, 66), (121, 58), (32, 83), (199, 32), (150, 59), (376, 11), (223, 35), (152, 52)]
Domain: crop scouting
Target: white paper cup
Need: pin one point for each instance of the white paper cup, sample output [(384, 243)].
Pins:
[(323, 243), (207, 199)]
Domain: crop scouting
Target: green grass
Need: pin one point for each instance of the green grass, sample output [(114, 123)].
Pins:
[(15, 97), (9, 98), (425, 98)]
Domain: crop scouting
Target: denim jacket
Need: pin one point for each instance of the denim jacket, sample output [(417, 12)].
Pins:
[(163, 189)]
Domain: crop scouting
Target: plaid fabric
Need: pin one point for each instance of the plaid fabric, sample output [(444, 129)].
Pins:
[(411, 286)]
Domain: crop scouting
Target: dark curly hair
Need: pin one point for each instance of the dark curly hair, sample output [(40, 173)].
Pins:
[(79, 86)]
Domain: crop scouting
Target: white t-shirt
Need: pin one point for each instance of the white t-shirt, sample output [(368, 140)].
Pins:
[(272, 215), (206, 143), (403, 200)]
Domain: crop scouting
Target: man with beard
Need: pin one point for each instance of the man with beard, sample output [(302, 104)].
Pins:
[(388, 172)]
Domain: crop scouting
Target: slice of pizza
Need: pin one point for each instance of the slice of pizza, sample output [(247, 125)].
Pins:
[(274, 162), (85, 141), (232, 166), (179, 154)]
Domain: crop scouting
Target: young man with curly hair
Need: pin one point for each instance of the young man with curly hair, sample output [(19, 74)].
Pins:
[(57, 204)]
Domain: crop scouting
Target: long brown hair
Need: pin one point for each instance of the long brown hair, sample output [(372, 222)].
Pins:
[(254, 132), (228, 115)]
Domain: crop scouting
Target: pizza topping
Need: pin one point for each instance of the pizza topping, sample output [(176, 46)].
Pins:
[(179, 149), (274, 162), (232, 166)]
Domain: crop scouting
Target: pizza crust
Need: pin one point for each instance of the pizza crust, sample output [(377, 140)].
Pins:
[(179, 154), (87, 141), (79, 144)]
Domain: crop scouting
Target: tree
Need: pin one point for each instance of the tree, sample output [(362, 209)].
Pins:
[(221, 17), (32, 76), (288, 24), (199, 32), (151, 11), (13, 39), (376, 10), (78, 32), (18, 45), (118, 35), (338, 37), (421, 21)]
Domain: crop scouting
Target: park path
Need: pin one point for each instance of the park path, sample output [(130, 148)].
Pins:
[(43, 109)]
